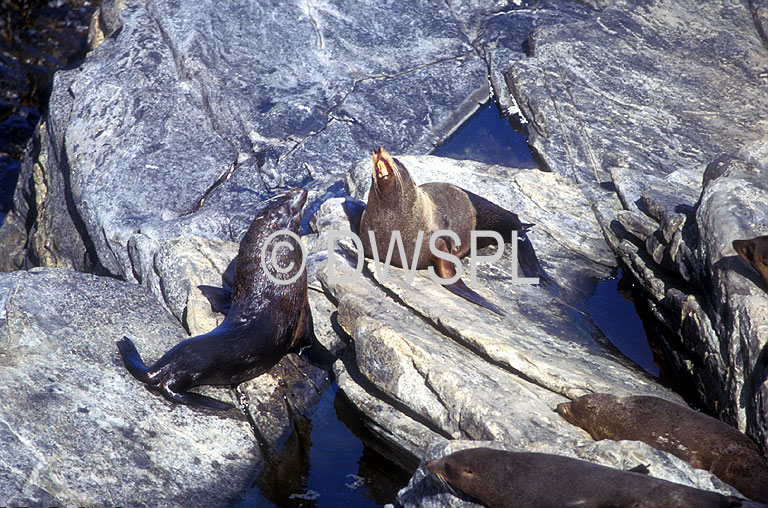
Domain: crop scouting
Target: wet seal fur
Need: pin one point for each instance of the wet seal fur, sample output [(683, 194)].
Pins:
[(703, 441), (266, 320), (504, 479), (755, 253), (395, 203)]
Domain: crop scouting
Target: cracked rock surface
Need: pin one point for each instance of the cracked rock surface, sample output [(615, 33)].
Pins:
[(157, 152), (658, 111), (72, 417)]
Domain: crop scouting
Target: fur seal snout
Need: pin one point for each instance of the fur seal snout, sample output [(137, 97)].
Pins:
[(503, 479), (397, 204), (265, 321), (703, 441)]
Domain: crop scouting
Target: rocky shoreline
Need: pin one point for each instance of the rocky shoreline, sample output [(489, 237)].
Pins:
[(156, 153)]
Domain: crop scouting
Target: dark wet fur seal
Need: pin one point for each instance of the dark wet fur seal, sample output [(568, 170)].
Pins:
[(395, 203), (755, 253), (265, 321), (504, 479), (703, 441)]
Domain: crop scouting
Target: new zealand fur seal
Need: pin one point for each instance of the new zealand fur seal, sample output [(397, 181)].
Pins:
[(266, 319), (396, 203), (504, 479), (703, 441), (755, 253)]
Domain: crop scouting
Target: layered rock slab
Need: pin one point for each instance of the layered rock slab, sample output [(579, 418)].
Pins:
[(641, 98), (426, 365)]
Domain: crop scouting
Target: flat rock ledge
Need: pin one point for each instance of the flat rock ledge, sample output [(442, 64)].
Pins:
[(425, 366)]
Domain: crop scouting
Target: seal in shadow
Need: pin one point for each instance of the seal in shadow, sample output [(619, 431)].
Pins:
[(504, 479), (755, 253), (268, 317), (396, 203), (703, 441)]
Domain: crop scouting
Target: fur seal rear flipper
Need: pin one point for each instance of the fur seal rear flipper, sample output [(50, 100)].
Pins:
[(267, 319)]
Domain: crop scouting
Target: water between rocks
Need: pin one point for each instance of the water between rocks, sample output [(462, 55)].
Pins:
[(332, 461)]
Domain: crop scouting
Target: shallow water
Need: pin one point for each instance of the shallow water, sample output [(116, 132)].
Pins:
[(489, 138), (325, 465), (612, 310)]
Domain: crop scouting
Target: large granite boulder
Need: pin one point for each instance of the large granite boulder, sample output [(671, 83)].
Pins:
[(640, 98), (157, 152)]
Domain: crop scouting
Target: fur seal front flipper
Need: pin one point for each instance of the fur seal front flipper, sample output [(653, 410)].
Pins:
[(266, 320), (219, 298)]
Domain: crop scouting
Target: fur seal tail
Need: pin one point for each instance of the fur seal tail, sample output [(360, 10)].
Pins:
[(132, 360)]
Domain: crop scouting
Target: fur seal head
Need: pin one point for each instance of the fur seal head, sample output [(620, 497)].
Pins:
[(389, 176), (755, 253)]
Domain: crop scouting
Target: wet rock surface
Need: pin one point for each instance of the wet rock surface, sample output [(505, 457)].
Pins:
[(160, 149)]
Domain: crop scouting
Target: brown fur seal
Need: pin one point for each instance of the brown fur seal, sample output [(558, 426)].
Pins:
[(703, 441), (266, 319), (395, 203), (503, 479), (755, 253)]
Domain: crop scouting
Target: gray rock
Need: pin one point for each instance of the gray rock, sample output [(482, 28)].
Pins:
[(77, 428), (184, 118), (426, 364), (640, 98)]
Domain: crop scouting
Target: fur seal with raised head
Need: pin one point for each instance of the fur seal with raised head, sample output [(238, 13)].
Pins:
[(266, 319), (504, 479), (755, 253), (703, 441), (396, 203)]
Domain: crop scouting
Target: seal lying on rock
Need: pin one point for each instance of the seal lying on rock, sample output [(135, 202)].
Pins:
[(266, 320), (395, 203), (755, 253), (503, 479), (703, 441)]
